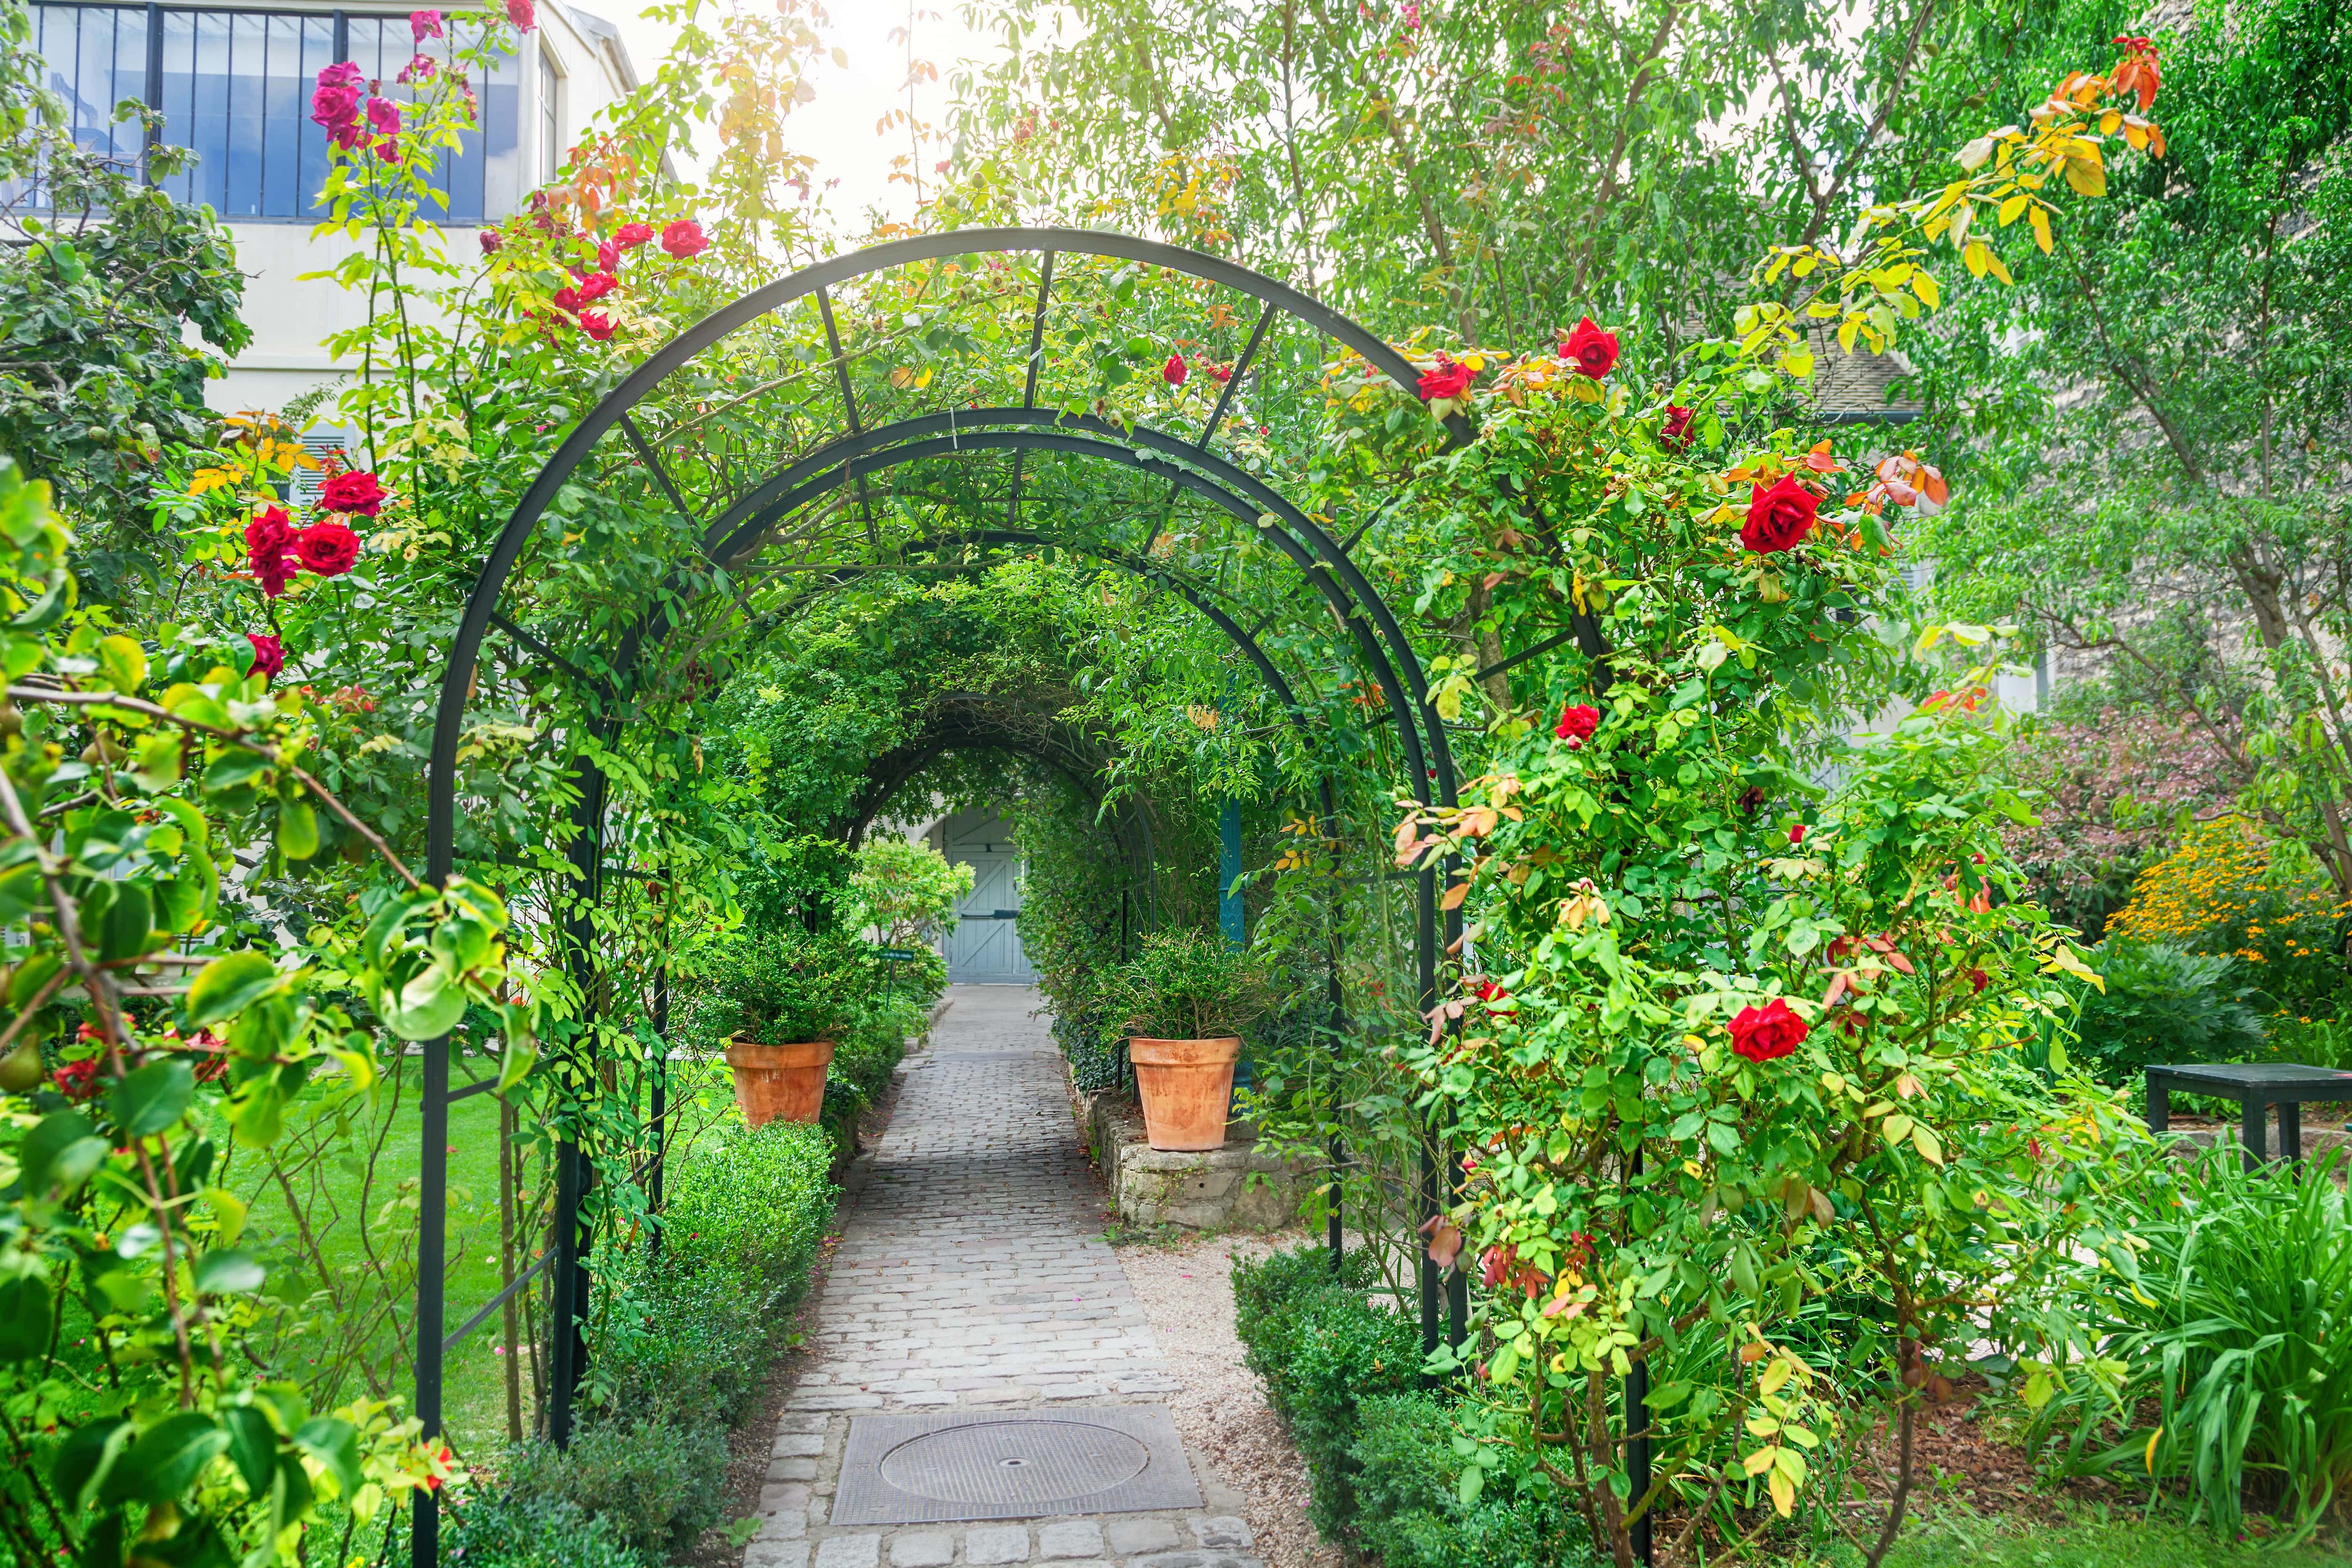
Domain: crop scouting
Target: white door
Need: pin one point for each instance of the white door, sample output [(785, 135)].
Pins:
[(986, 947)]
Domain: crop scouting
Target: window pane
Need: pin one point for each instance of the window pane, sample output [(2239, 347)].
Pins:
[(179, 90), (241, 172), (207, 127)]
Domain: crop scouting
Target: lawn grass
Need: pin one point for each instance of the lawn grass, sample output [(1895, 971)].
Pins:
[(354, 1166), (1957, 1537)]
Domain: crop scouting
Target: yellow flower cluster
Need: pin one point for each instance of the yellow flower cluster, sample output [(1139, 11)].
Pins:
[(2220, 884)]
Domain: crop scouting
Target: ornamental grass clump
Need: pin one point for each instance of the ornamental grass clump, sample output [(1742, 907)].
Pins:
[(2217, 1355)]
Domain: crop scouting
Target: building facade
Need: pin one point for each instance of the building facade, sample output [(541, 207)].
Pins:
[(234, 84)]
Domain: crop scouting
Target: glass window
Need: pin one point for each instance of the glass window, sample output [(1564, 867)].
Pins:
[(550, 117), (235, 90)]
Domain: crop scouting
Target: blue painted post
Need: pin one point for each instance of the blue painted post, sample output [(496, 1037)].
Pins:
[(1229, 871)]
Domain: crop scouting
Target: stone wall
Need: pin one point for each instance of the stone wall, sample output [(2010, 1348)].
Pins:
[(1232, 1188)]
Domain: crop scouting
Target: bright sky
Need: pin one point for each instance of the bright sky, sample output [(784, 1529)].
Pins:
[(838, 128)]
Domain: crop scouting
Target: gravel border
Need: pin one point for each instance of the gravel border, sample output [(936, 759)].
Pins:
[(1187, 1293)]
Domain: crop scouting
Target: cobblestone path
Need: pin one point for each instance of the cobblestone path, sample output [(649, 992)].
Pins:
[(972, 1274)]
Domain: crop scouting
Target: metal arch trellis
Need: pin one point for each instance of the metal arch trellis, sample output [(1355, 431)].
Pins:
[(850, 460)]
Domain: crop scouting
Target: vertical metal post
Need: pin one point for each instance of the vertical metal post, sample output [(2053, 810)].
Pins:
[(1426, 956), (1335, 1235), (343, 37), (432, 1283), (658, 1106), (568, 1351), (1637, 1421)]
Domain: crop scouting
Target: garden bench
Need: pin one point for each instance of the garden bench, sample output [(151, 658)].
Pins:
[(2256, 1087)]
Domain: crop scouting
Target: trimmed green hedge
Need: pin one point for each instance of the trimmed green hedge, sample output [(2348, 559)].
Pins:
[(1383, 1455)]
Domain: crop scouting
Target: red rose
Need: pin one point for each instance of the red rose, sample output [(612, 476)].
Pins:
[(519, 12), (77, 1081), (354, 492), (268, 539), (1174, 372), (1221, 374), (490, 242), (1577, 723), (1767, 1033), (1978, 979), (684, 239), (596, 286), (565, 298), (1779, 517), (630, 236), (1590, 350), (1449, 379), (328, 549), (269, 656), (608, 255), (1676, 435), (596, 324), (1797, 834)]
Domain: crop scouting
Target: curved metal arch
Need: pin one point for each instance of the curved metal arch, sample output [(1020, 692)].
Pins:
[(1349, 591), (482, 602)]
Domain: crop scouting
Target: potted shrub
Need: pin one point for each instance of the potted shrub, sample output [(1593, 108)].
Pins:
[(1185, 999), (781, 999)]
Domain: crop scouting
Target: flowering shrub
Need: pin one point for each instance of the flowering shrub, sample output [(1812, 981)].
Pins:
[(182, 1033), (2229, 890), (1732, 1048)]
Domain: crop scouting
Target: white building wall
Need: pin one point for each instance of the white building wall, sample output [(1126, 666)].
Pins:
[(575, 52)]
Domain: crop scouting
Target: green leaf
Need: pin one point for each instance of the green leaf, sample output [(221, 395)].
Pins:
[(85, 1457), (334, 1444), (228, 985), (24, 1318), (235, 768), (1473, 1482), (426, 1007), (167, 1459), (129, 921), (252, 1447), (20, 894), (56, 1155), (153, 1098), (155, 760), (298, 831), (31, 976), (123, 662), (231, 1271)]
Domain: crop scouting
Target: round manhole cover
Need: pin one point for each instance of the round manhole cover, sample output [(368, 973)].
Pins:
[(1014, 1462)]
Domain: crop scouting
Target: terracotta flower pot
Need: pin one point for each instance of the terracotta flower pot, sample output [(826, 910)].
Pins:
[(779, 1082), (1187, 1087)]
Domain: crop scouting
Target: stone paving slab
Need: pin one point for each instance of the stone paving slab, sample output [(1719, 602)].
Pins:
[(972, 1274)]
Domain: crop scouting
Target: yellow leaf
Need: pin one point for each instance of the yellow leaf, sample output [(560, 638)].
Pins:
[(1852, 325), (2064, 957), (1584, 389), (1923, 283), (2012, 209), (2041, 221), (1757, 1463), (1896, 1127), (1784, 1495), (1930, 1147), (1798, 362), (1976, 256), (2149, 1458), (2083, 170), (1994, 265), (1774, 1376)]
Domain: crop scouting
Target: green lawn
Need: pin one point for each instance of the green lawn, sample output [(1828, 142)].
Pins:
[(359, 1195), (1957, 1539)]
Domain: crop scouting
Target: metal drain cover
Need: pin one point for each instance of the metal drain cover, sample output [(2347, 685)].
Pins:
[(1003, 1463)]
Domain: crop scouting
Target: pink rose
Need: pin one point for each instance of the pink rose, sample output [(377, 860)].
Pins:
[(684, 239), (424, 24), (421, 69), (491, 241), (519, 12)]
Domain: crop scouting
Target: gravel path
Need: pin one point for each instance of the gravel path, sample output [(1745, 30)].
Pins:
[(1186, 1295)]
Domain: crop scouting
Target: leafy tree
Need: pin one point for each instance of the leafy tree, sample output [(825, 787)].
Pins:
[(102, 275), (2153, 424)]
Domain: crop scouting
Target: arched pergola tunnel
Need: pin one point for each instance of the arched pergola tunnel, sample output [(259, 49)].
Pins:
[(748, 464)]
